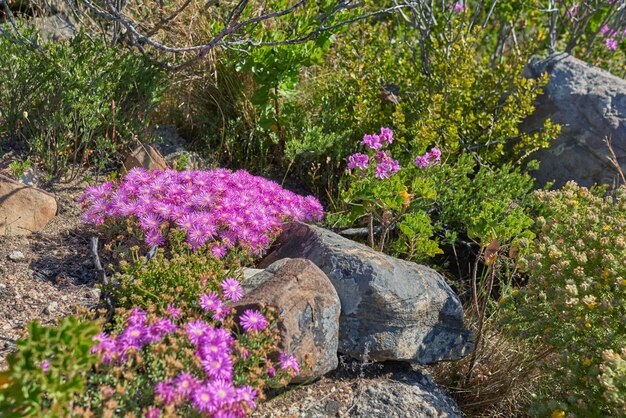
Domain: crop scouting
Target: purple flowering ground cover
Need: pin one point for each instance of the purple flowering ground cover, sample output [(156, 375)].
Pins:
[(216, 207)]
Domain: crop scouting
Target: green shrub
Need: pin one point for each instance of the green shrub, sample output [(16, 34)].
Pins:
[(48, 372), (180, 276), (459, 101), (574, 300), (419, 207), (78, 101)]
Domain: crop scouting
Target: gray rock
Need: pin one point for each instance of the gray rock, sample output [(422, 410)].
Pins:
[(16, 256), (51, 308), (390, 392), (590, 104), (57, 27), (390, 309), (408, 394), (308, 308)]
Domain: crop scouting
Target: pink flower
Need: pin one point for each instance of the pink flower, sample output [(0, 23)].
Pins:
[(459, 7), (571, 13), (153, 412), (288, 363), (358, 160), (218, 366), (45, 365), (232, 289), (386, 135), (202, 399), (605, 29), (372, 141), (386, 167), (611, 44), (165, 392), (172, 311), (434, 154), (428, 159), (252, 320), (209, 301), (218, 251), (248, 395), (196, 330)]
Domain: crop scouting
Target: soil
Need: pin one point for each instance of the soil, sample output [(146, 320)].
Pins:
[(55, 276)]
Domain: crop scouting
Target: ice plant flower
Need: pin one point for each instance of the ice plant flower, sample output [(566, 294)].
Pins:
[(232, 289), (288, 363), (252, 320), (358, 160), (209, 301), (219, 208), (173, 311)]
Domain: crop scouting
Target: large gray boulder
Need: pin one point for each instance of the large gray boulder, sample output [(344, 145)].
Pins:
[(390, 309), (590, 104)]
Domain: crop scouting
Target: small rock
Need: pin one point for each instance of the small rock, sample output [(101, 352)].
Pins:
[(145, 156), (51, 308), (16, 256), (24, 209), (94, 294), (308, 307)]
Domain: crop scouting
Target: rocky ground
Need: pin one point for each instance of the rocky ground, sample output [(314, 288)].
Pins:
[(358, 389), (44, 275)]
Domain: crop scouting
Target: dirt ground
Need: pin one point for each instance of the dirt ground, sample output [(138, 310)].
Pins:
[(55, 275)]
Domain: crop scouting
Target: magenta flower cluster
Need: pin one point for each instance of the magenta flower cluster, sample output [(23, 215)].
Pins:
[(432, 157), (217, 207), (137, 334), (385, 165), (214, 393), (611, 37), (378, 141), (459, 7)]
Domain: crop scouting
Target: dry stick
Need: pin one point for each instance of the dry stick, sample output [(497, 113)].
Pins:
[(481, 323), (102, 277), (613, 159)]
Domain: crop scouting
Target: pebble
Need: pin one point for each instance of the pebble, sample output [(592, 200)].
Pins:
[(94, 294), (52, 307), (16, 256)]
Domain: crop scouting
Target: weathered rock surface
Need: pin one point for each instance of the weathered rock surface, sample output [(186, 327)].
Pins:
[(57, 27), (406, 394), (390, 309), (308, 307), (399, 392), (145, 156), (24, 209), (590, 104)]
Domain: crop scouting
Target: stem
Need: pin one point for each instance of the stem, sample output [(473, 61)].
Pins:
[(481, 324)]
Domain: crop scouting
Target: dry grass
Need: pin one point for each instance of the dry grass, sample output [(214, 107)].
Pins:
[(505, 375)]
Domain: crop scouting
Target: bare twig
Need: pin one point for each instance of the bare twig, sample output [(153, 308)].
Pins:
[(613, 159)]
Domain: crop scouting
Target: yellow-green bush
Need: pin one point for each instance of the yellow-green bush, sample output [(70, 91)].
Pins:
[(574, 300)]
